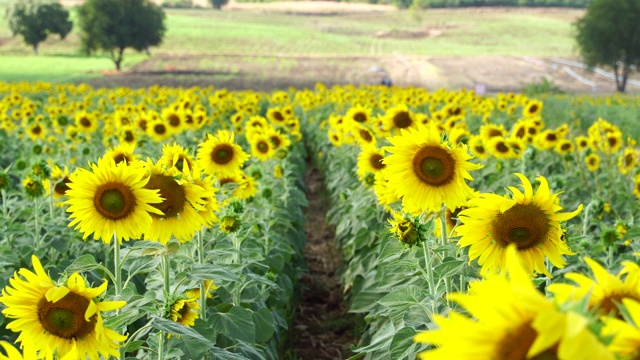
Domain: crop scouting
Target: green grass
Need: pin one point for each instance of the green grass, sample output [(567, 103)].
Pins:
[(205, 31)]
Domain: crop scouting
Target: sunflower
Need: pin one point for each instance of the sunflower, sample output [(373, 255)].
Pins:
[(499, 148), (122, 153), (636, 186), (261, 147), (36, 131), (111, 199), (60, 181), (625, 334), (210, 287), (488, 131), (60, 319), (219, 155), (244, 186), (158, 130), (184, 311), (358, 114), (399, 117), (425, 172), (210, 205), (176, 155), (593, 162), (276, 116), (85, 122), (363, 135), (583, 142), (627, 161), (476, 147), (604, 291), (370, 161), (177, 214), (174, 120), (532, 108), (278, 140), (33, 187), (531, 221), (510, 319), (404, 229), (564, 146)]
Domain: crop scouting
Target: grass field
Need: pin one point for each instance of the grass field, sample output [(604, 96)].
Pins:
[(260, 35)]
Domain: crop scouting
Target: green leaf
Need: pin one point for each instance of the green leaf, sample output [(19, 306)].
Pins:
[(449, 268), (195, 345), (134, 345), (236, 324), (84, 263), (402, 343), (213, 272), (365, 300), (380, 340), (265, 326), (404, 297)]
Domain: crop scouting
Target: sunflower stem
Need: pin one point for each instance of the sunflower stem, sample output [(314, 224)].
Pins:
[(117, 266), (165, 277), (5, 207), (37, 225), (430, 280), (161, 345), (585, 220), (203, 283), (51, 200), (444, 237)]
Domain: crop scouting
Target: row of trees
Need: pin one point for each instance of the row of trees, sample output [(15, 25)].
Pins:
[(424, 4), (105, 25)]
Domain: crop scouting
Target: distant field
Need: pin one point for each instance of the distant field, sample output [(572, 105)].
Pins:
[(379, 35)]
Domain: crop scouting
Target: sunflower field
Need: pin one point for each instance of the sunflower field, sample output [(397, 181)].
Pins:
[(167, 223)]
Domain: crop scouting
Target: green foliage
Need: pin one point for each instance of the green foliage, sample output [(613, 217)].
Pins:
[(112, 26), (424, 4), (544, 86), (34, 21), (607, 35), (217, 4)]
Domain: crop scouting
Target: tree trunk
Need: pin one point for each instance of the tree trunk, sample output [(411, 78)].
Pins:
[(615, 73), (117, 59), (625, 77), (35, 49)]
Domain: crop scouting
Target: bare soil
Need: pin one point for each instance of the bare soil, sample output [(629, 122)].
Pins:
[(321, 328), (267, 73)]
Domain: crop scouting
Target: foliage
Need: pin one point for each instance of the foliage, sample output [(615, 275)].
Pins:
[(218, 4), (34, 21), (544, 86), (607, 35), (113, 26)]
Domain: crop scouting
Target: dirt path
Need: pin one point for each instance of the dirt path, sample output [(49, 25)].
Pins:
[(321, 328)]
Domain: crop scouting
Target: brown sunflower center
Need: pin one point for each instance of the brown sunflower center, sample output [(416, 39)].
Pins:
[(520, 133), (494, 133), (502, 147), (524, 225), (402, 120), (275, 141), (121, 157), (360, 117), (85, 122), (278, 116), (628, 160), (518, 342), (608, 304), (365, 135), (174, 120), (222, 154), (159, 129), (565, 147), (172, 193), (128, 136), (114, 200), (36, 130), (434, 165), (533, 108), (65, 318), (262, 147), (376, 161), (62, 186)]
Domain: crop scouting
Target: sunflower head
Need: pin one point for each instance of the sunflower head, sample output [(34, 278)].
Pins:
[(529, 222)]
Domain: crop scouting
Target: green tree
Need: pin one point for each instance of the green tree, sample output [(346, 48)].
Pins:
[(608, 35), (217, 4), (34, 21), (114, 25)]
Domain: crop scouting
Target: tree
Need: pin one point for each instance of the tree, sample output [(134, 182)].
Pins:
[(34, 21), (114, 25), (608, 35), (218, 4)]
